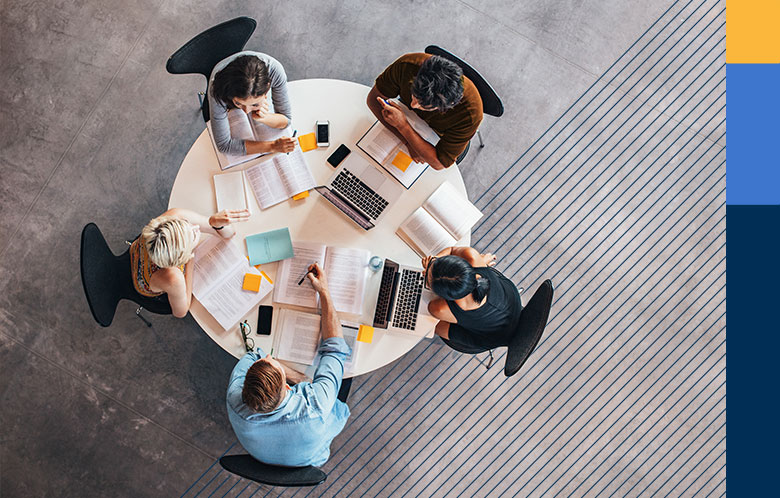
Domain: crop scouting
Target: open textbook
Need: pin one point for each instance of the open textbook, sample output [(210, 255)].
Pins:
[(218, 280), (243, 127), (345, 268), (384, 147), (445, 218), (298, 335), (279, 178)]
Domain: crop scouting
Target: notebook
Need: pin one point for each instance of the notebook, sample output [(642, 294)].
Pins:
[(230, 191), (268, 247)]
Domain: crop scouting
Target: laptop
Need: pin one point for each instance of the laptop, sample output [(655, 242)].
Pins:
[(361, 191), (402, 304)]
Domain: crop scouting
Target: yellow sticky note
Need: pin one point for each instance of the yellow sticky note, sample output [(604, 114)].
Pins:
[(302, 195), (402, 160), (307, 142), (252, 282), (751, 32), (266, 277), (365, 334)]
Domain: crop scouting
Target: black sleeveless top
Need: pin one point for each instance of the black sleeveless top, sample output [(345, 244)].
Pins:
[(493, 322)]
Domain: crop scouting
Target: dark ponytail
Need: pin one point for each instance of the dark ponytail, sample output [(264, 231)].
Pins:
[(454, 278)]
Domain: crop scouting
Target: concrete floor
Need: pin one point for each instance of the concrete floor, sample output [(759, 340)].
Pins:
[(94, 129)]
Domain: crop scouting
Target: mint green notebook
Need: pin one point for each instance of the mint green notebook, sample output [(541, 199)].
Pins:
[(269, 246)]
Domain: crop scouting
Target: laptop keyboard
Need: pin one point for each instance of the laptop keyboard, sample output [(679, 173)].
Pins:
[(360, 194), (383, 302), (408, 297)]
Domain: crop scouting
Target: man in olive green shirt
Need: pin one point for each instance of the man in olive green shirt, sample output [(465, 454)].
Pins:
[(438, 92)]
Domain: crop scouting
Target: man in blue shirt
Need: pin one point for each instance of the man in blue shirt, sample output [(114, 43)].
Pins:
[(291, 426)]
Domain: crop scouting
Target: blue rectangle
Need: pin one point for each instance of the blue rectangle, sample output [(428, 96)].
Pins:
[(269, 246), (753, 121)]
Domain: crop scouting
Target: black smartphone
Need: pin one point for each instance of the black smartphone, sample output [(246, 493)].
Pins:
[(338, 156), (265, 313), (323, 133)]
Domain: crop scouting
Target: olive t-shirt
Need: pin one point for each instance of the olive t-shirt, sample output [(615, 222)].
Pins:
[(455, 127)]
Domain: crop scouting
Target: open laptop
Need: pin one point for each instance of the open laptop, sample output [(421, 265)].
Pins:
[(361, 191), (402, 304)]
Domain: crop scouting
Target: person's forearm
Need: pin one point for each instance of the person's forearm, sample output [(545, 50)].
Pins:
[(329, 322), (376, 108), (194, 218), (254, 147), (422, 146), (293, 376), (276, 120), (189, 270)]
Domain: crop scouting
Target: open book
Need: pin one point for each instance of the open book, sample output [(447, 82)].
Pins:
[(445, 218), (218, 280), (345, 268), (384, 147), (279, 178), (299, 338), (243, 127)]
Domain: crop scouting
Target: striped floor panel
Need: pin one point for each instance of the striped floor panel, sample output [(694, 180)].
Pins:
[(621, 202)]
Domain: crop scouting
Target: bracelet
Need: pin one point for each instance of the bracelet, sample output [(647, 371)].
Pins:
[(218, 228)]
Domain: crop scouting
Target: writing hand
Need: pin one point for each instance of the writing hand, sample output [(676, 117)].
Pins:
[(392, 113), (284, 144)]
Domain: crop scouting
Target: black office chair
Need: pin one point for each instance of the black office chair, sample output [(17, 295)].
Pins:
[(249, 468), (107, 280), (203, 52), (491, 102), (527, 334)]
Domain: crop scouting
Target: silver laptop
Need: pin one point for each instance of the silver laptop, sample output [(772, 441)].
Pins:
[(366, 190), (402, 303)]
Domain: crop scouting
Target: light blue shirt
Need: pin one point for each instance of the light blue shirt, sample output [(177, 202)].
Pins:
[(299, 431)]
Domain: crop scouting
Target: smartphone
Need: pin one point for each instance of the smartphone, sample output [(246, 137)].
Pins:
[(323, 133), (265, 313), (338, 156)]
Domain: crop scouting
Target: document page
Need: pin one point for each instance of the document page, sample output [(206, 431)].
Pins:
[(299, 336), (424, 234), (230, 191), (266, 183), (450, 208), (290, 271), (346, 270), (215, 258), (294, 172), (240, 126), (379, 143)]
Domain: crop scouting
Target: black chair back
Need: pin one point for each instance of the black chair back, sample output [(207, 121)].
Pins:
[(529, 330), (272, 475), (107, 279), (491, 102), (205, 50)]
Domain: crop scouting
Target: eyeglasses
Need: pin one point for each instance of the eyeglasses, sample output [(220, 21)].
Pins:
[(425, 273), (249, 343)]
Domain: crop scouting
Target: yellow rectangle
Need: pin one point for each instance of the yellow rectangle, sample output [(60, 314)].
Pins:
[(302, 195), (252, 282), (307, 142), (753, 32), (266, 276), (402, 160), (365, 334)]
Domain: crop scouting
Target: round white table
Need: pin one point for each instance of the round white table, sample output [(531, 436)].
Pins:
[(314, 219)]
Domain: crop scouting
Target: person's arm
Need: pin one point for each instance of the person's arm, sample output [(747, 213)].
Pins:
[(282, 114), (216, 224), (178, 287), (395, 119), (468, 253), (374, 105)]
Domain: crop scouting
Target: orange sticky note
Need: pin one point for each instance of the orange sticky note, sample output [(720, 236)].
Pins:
[(365, 334), (402, 160), (302, 195), (252, 282), (307, 142), (266, 277)]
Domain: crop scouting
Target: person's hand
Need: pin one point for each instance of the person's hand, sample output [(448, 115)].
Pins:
[(317, 278), (489, 259), (262, 114), (392, 113), (284, 144), (224, 219)]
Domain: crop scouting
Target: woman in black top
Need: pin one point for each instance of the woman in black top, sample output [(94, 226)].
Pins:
[(477, 307)]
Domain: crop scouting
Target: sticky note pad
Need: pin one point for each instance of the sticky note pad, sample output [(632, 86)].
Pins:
[(308, 141), (302, 195), (402, 160), (365, 334), (252, 282), (269, 246)]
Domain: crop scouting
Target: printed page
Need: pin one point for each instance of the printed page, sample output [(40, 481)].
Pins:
[(240, 127), (266, 183), (379, 143), (346, 271), (424, 234), (290, 271), (230, 191), (228, 302), (450, 208), (299, 336), (294, 172), (215, 258)]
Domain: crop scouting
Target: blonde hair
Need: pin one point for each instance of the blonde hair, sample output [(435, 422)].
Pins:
[(168, 241)]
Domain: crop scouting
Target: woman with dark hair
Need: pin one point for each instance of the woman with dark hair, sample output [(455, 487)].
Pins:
[(478, 307), (243, 81)]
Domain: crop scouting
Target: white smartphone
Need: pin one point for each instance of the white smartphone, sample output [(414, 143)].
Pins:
[(323, 133)]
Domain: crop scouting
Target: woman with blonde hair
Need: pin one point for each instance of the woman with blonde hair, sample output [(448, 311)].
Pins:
[(161, 257)]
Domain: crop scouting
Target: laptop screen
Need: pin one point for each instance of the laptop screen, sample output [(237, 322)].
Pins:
[(345, 207)]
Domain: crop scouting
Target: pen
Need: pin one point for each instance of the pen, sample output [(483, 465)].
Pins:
[(295, 132), (304, 275), (272, 352)]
